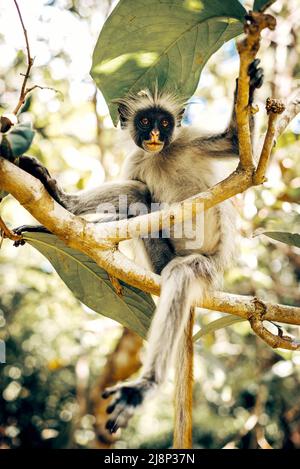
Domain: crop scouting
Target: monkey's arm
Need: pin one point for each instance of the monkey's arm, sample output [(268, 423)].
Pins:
[(256, 75), (109, 197), (226, 143), (114, 199)]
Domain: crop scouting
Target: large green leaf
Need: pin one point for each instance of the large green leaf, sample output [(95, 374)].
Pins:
[(17, 141), (165, 40), (293, 239), (262, 5), (216, 325), (91, 285)]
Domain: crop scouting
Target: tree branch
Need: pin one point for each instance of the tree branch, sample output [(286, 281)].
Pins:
[(99, 242), (7, 233), (247, 49), (292, 109), (24, 90), (83, 236)]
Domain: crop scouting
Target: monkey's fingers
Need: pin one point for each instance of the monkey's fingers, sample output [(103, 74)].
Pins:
[(18, 243), (30, 229), (253, 66), (257, 79), (120, 418), (109, 392), (256, 74), (126, 398)]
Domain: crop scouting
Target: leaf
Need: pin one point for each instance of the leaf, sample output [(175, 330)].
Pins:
[(292, 239), (216, 325), (165, 40), (91, 285), (17, 141), (262, 5)]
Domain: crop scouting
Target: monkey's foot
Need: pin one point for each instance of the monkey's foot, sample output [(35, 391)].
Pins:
[(28, 228), (35, 168), (126, 398)]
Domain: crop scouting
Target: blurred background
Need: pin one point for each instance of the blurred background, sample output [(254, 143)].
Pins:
[(60, 354)]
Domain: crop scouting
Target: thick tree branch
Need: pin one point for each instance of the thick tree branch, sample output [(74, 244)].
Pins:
[(84, 237)]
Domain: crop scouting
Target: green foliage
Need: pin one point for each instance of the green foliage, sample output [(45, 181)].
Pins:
[(262, 5), (292, 239), (17, 141), (168, 42), (91, 284), (216, 325)]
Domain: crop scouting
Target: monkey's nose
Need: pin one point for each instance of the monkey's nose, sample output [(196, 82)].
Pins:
[(154, 133)]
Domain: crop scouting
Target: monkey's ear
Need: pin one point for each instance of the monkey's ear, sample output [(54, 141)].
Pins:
[(123, 115), (180, 116)]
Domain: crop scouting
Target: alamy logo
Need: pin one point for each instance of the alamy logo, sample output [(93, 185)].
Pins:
[(187, 222)]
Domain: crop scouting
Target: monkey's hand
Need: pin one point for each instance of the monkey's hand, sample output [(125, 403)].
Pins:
[(126, 398), (256, 75)]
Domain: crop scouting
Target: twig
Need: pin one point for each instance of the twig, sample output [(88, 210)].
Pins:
[(28, 90), (274, 107), (292, 109), (25, 91), (30, 61), (275, 341), (8, 233)]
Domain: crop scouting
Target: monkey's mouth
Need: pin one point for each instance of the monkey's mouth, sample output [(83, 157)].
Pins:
[(153, 146)]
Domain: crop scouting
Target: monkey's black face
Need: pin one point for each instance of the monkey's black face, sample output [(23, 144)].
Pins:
[(154, 128)]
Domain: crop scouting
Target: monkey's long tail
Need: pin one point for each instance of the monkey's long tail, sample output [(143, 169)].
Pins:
[(183, 396), (183, 282)]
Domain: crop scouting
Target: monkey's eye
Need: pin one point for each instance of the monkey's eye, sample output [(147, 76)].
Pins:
[(145, 121), (165, 123)]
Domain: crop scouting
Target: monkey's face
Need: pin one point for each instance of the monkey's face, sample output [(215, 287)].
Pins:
[(153, 129)]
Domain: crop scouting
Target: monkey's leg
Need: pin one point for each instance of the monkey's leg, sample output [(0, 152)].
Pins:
[(108, 196), (30, 229), (35, 168), (115, 199), (184, 280), (160, 252)]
